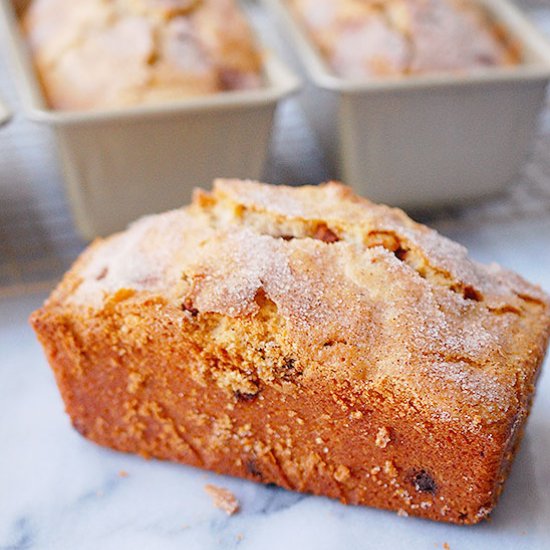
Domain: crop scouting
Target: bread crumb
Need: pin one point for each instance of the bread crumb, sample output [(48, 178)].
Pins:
[(122, 473), (135, 379), (342, 473), (446, 546), (223, 499), (390, 469), (383, 437), (240, 537)]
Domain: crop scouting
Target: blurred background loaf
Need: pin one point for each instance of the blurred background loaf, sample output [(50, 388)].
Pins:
[(396, 37), (98, 54)]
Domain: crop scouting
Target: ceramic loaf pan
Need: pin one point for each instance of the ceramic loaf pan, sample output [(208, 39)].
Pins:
[(121, 164), (423, 141)]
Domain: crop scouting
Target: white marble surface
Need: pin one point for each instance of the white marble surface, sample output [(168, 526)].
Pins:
[(58, 491)]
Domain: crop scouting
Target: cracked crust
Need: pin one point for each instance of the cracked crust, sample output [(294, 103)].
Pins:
[(398, 37), (95, 54), (305, 337)]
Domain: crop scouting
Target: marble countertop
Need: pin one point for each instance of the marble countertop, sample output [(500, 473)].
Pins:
[(59, 491)]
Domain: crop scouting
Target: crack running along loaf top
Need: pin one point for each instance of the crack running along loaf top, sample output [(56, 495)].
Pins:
[(374, 38), (94, 54)]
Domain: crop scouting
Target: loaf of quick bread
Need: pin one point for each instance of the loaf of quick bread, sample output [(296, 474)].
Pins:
[(304, 337), (92, 54), (376, 38)]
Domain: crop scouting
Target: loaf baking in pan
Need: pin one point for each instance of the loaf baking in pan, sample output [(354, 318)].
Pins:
[(424, 139), (103, 54), (121, 161), (304, 337), (399, 37)]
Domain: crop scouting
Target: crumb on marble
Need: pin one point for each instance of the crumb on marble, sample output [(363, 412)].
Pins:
[(122, 473), (446, 546), (223, 499)]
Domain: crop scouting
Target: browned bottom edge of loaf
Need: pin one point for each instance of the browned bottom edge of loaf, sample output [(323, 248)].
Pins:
[(320, 439)]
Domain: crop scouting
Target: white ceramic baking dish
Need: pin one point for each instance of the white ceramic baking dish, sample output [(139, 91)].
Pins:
[(121, 164), (425, 141)]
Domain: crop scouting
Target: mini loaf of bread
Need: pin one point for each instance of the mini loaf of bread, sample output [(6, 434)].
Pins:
[(304, 337), (113, 53), (373, 38)]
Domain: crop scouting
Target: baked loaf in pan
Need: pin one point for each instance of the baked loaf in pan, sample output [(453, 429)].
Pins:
[(114, 53), (304, 337), (376, 38)]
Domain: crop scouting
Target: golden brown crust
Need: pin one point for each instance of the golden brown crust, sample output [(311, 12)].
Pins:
[(375, 38), (304, 337), (94, 54)]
